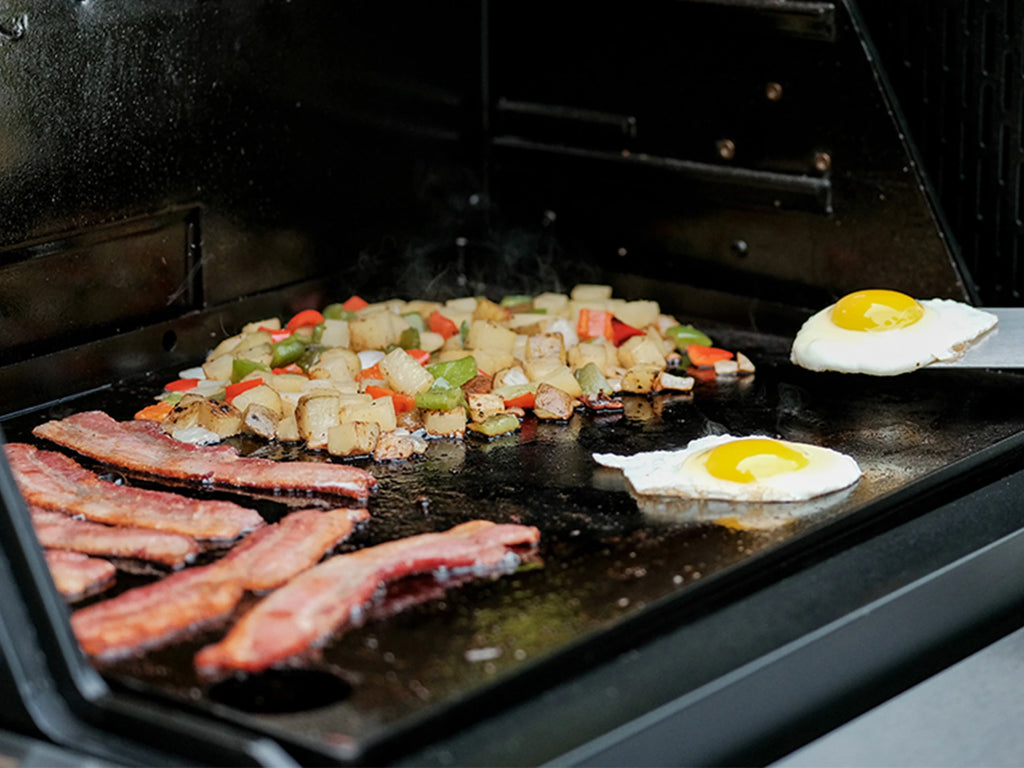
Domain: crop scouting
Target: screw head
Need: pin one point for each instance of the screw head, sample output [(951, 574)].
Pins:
[(726, 149)]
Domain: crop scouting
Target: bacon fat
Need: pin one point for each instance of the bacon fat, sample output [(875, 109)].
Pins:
[(152, 614), (142, 446), (52, 480), (318, 602)]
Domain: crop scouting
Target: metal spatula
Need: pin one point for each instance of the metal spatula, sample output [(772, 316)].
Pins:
[(1002, 347)]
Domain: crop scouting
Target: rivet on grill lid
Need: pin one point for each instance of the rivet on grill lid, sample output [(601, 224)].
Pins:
[(822, 161), (726, 149), (773, 91)]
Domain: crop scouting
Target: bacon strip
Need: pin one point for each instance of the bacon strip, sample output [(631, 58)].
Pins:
[(75, 574), (318, 602), (51, 480), (55, 530), (152, 614), (142, 446)]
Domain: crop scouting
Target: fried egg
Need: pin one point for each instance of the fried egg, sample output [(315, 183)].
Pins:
[(885, 333), (729, 468)]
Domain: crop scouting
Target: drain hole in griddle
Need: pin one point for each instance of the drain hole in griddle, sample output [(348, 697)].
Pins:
[(281, 691)]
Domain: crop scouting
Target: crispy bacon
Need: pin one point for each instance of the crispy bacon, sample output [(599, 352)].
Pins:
[(76, 575), (52, 480), (56, 530), (320, 601), (142, 446), (152, 614)]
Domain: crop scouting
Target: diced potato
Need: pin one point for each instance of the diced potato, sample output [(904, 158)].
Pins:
[(261, 353), (288, 429), (422, 308), (641, 378), (726, 368), (483, 405), (335, 333), (380, 411), (445, 423), (375, 330), (250, 341), (225, 347), (639, 314), (640, 350), (485, 334), (286, 382), (315, 414), (452, 343), (218, 368), (545, 345), (744, 364), (431, 341), (353, 438), (261, 420), (590, 292), (272, 323), (553, 402), (462, 306), (552, 303), (394, 447), (490, 361), (488, 310), (509, 376), (263, 395), (341, 363), (185, 414), (552, 372), (599, 351), (223, 419), (403, 374), (673, 382)]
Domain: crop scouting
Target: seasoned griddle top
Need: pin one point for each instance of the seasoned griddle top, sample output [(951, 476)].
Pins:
[(606, 563)]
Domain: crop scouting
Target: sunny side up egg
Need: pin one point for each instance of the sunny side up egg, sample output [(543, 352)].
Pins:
[(885, 333), (724, 467)]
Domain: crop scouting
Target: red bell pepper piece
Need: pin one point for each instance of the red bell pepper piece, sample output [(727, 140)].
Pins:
[(231, 391), (373, 373), (438, 323), (593, 323), (304, 319), (156, 412), (622, 331), (525, 400), (290, 368), (403, 403), (702, 356), (354, 303), (181, 385), (421, 356), (276, 334)]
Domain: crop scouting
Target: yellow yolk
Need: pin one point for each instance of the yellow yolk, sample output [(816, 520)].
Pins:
[(745, 461), (876, 310)]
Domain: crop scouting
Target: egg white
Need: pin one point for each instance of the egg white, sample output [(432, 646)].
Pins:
[(944, 332), (682, 473)]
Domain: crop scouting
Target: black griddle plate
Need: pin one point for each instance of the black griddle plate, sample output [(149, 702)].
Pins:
[(610, 570)]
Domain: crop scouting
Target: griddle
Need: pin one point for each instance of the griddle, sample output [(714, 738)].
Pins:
[(611, 569)]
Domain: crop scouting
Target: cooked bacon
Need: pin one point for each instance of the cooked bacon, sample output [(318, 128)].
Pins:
[(142, 446), (318, 602), (56, 530), (52, 480), (76, 575), (152, 614)]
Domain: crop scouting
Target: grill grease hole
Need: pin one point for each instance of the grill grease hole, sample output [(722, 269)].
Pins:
[(281, 691)]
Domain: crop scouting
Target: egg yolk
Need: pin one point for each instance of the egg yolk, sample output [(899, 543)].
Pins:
[(746, 461), (876, 310)]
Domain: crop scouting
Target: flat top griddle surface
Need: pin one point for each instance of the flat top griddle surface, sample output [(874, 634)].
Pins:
[(606, 561)]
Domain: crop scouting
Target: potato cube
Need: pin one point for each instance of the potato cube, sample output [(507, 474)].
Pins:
[(288, 429), (461, 306), (486, 334), (335, 333), (263, 395), (218, 368), (509, 376), (483, 405), (641, 378), (673, 382), (552, 402), (487, 310), (590, 292), (404, 374), (445, 423), (545, 345), (251, 340), (394, 447), (261, 420), (271, 323), (639, 314), (375, 330), (599, 351), (381, 411), (315, 414), (225, 347), (552, 372), (641, 350), (552, 303), (353, 438), (431, 341)]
